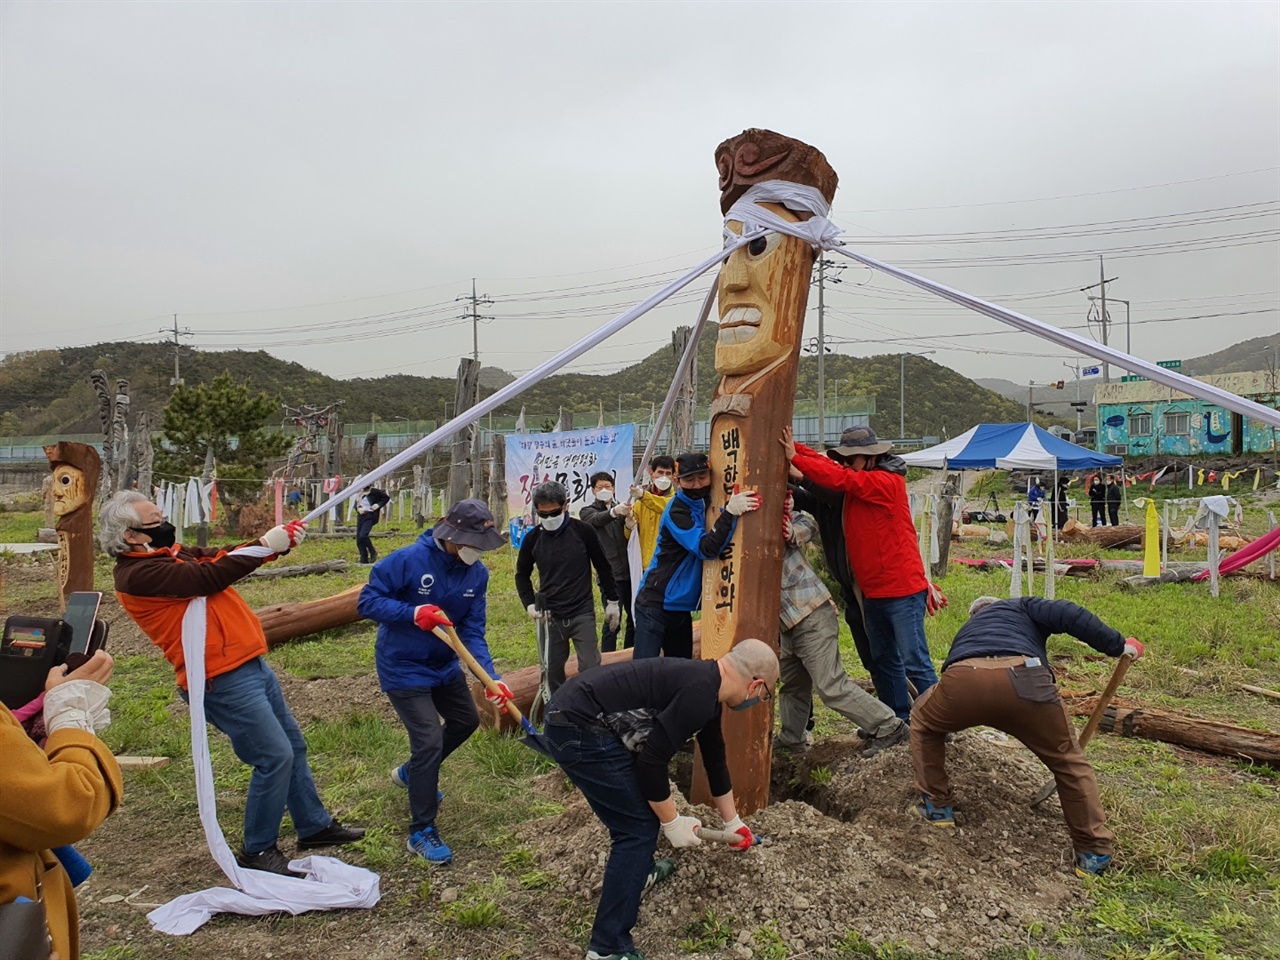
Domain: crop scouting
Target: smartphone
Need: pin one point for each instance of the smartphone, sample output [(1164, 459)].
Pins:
[(78, 619)]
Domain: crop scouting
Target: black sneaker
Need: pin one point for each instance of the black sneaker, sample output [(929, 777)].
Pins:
[(270, 860), (900, 735), (331, 836)]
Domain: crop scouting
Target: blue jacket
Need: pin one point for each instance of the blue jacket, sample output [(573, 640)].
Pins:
[(1021, 627), (673, 580), (422, 573)]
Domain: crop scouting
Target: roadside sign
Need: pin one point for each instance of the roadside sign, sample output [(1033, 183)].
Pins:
[(1090, 371), (1131, 379), (1169, 364)]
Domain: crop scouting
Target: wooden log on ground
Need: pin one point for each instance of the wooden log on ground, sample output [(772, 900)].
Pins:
[(1166, 576), (142, 763), (1129, 718), (282, 622), (1109, 537), (300, 570)]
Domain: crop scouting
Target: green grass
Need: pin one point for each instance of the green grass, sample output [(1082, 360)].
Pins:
[(706, 933)]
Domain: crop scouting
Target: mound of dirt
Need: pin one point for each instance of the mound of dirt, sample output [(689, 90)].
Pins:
[(842, 856)]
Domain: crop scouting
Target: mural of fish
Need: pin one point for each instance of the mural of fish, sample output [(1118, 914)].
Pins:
[(1116, 421)]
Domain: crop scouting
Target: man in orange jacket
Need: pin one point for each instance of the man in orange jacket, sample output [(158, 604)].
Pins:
[(883, 555), (155, 579)]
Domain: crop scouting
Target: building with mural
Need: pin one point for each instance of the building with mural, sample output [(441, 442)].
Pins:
[(1142, 418)]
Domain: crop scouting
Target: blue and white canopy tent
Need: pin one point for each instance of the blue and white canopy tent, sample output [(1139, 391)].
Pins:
[(1014, 446)]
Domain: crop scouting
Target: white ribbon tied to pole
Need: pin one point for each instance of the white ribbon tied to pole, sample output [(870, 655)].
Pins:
[(330, 884)]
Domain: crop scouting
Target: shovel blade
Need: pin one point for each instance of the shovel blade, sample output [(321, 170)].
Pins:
[(1047, 791)]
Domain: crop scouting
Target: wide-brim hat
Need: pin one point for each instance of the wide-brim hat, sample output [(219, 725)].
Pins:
[(861, 440), (469, 524), (692, 464)]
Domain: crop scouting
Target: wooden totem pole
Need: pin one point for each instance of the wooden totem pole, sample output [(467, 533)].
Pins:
[(76, 468), (763, 291)]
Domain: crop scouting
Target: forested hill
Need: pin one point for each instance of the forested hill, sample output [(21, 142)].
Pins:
[(48, 392)]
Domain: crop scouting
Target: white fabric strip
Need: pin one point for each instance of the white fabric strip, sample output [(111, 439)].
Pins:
[(538, 373), (1170, 378), (817, 231), (330, 883)]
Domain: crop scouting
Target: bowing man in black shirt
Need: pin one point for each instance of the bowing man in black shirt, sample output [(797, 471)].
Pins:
[(614, 730)]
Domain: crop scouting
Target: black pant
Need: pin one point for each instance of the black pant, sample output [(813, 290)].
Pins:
[(1060, 514), (857, 626), (364, 527), (1114, 510), (1099, 513), (421, 709), (609, 638), (669, 632)]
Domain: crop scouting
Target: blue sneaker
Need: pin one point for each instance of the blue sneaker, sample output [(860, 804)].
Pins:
[(400, 777), (428, 845), (1092, 864), (926, 811)]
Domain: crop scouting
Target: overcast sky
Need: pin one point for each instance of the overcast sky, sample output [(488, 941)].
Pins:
[(321, 180)]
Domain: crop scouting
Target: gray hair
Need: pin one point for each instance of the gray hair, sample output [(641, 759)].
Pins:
[(550, 492), (115, 518), (981, 604), (754, 658)]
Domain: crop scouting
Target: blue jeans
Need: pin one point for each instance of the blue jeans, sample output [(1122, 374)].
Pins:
[(430, 741), (600, 766), (895, 627), (364, 543), (246, 704), (662, 631)]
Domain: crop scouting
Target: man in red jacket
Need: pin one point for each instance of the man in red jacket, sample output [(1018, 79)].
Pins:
[(881, 539)]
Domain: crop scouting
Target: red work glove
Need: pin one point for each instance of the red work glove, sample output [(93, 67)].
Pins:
[(297, 530), (429, 616), (741, 829), (934, 600), (500, 698), (1132, 647), (788, 507)]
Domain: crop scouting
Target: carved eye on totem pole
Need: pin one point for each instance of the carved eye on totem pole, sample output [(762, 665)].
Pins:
[(68, 490)]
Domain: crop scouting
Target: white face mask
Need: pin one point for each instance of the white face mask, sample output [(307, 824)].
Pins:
[(469, 555), (552, 523), (605, 495), (662, 483)]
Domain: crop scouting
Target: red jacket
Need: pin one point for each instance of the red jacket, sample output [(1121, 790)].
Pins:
[(878, 530)]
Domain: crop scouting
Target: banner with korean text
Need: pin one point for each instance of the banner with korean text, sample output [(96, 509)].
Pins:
[(569, 457)]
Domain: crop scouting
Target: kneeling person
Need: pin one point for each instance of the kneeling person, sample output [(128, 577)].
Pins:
[(435, 582), (997, 675), (615, 730)]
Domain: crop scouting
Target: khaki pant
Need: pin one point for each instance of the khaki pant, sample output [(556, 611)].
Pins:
[(1022, 701), (810, 662)]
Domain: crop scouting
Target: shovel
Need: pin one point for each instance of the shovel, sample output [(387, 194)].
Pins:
[(531, 739), (1104, 701), (725, 836), (543, 630)]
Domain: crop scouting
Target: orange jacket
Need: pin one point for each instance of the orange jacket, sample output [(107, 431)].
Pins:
[(154, 589), (52, 797)]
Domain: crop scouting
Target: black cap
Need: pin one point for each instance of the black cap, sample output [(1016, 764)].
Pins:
[(469, 524), (691, 464)]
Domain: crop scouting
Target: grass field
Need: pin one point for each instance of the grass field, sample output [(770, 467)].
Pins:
[(1199, 837)]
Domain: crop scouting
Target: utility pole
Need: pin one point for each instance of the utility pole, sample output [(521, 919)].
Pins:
[(1103, 280), (474, 316), (1079, 404), (184, 332), (823, 266)]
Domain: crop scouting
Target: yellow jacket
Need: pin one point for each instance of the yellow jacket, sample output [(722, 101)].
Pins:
[(50, 798), (648, 513)]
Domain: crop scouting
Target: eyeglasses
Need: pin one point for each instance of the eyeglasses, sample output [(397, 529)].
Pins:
[(768, 694), (553, 513)]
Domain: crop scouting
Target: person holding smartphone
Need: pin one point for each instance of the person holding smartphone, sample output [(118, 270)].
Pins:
[(56, 796)]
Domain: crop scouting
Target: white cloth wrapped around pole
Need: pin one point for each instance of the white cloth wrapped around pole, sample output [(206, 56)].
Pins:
[(1021, 534)]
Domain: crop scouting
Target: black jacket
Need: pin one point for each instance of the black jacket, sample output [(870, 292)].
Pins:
[(1097, 492), (1020, 627), (612, 532), (564, 559), (1114, 493)]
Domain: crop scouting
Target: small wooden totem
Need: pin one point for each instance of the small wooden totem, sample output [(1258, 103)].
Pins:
[(763, 292), (76, 468)]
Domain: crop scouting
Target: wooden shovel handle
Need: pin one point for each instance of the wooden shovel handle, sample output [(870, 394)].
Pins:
[(718, 836), (455, 643), (1104, 701)]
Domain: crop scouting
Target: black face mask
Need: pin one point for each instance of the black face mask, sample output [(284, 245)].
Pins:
[(162, 535), (699, 493)]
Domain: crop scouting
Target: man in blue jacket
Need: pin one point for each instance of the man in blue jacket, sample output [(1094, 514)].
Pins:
[(997, 675), (437, 581), (672, 585)]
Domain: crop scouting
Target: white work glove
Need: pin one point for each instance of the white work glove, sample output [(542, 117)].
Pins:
[(637, 492), (77, 705), (621, 510), (612, 614), (534, 612), (277, 539), (682, 831), (743, 502)]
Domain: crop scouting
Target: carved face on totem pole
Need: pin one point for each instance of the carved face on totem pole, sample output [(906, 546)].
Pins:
[(68, 490), (763, 286)]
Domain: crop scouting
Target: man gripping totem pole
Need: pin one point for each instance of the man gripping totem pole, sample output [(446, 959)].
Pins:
[(763, 291)]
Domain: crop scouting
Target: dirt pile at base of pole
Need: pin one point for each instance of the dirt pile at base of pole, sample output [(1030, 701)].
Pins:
[(844, 863)]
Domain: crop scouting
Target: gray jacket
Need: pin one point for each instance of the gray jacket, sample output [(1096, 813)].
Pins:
[(612, 532)]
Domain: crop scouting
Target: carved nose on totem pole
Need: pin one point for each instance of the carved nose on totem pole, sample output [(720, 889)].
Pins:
[(751, 404)]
